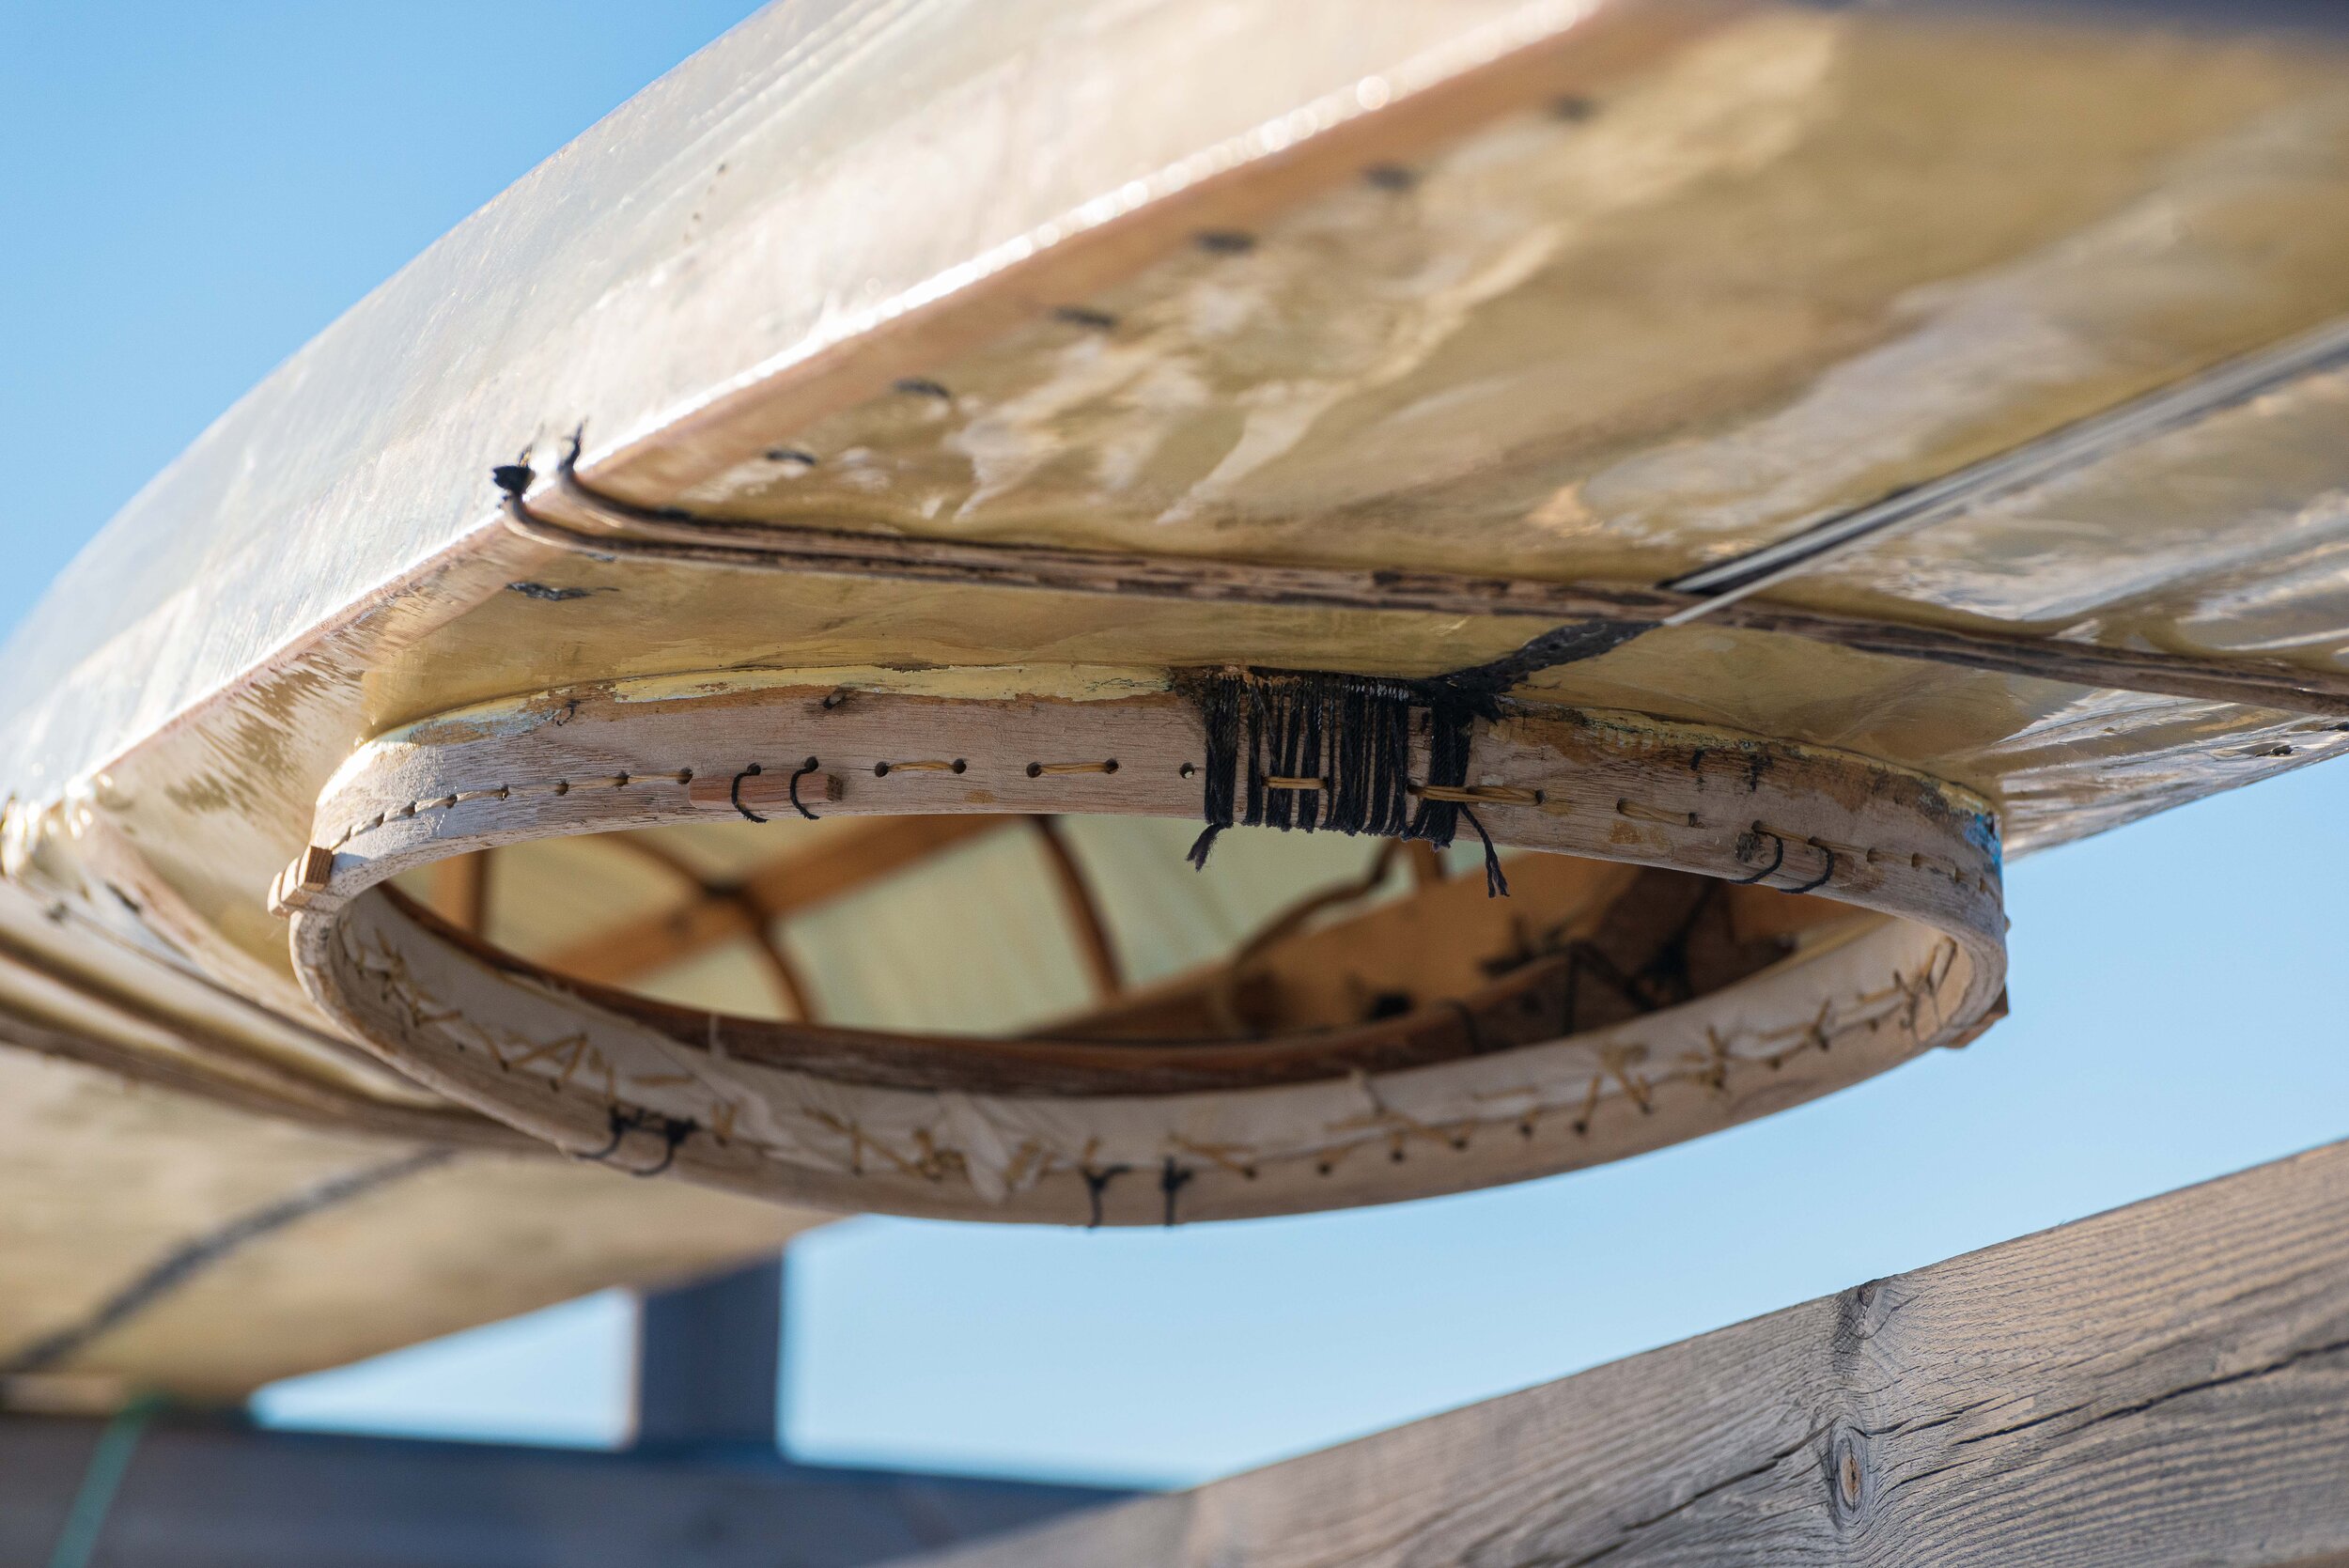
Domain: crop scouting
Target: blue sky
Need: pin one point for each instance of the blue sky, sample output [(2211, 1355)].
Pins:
[(191, 191)]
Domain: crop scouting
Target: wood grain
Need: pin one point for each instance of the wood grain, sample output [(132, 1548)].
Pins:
[(2165, 1384), (217, 1493)]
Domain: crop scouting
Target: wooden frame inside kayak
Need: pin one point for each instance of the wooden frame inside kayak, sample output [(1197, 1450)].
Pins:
[(1089, 1124)]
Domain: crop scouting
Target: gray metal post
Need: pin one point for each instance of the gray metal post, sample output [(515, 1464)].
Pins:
[(708, 1360)]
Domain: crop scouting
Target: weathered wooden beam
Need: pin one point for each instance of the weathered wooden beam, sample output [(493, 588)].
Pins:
[(220, 1494), (2165, 1384)]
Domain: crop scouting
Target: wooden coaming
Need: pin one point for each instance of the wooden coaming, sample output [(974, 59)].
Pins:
[(1011, 1129)]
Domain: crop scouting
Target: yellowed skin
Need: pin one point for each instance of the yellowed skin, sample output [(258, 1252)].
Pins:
[(105, 1179), (1811, 261), (1803, 261)]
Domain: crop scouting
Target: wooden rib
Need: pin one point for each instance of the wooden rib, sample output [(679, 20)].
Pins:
[(1308, 1035), (1289, 922), (461, 890), (784, 887), (753, 922), (1084, 915), (1446, 939), (1497, 1016), (898, 843), (782, 973), (477, 904), (574, 518)]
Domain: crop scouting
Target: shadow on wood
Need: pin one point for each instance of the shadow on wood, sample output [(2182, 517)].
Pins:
[(225, 1496), (705, 1485)]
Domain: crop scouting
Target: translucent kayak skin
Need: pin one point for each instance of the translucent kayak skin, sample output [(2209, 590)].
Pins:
[(1540, 296), (1789, 260)]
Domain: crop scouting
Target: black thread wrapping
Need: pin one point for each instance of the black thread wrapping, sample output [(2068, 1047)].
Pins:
[(735, 793), (1353, 733), (1096, 1184), (1821, 880), (1173, 1178), (1753, 839), (673, 1130), (805, 768)]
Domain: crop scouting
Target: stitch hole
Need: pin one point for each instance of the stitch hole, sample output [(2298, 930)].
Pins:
[(880, 769), (1036, 770), (1109, 767), (621, 781), (685, 775), (960, 766), (562, 787), (1186, 770)]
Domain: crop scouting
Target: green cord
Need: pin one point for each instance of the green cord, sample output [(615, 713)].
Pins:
[(109, 1461)]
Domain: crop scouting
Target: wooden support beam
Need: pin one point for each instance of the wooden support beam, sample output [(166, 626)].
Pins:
[(2165, 1384), (220, 1494)]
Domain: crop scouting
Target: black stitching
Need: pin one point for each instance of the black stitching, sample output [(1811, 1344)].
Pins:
[(1750, 837), (735, 793), (809, 767)]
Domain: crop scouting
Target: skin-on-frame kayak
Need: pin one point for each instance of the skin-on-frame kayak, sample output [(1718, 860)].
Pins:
[(724, 666)]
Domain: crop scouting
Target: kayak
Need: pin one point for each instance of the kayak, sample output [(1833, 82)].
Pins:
[(1129, 613)]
